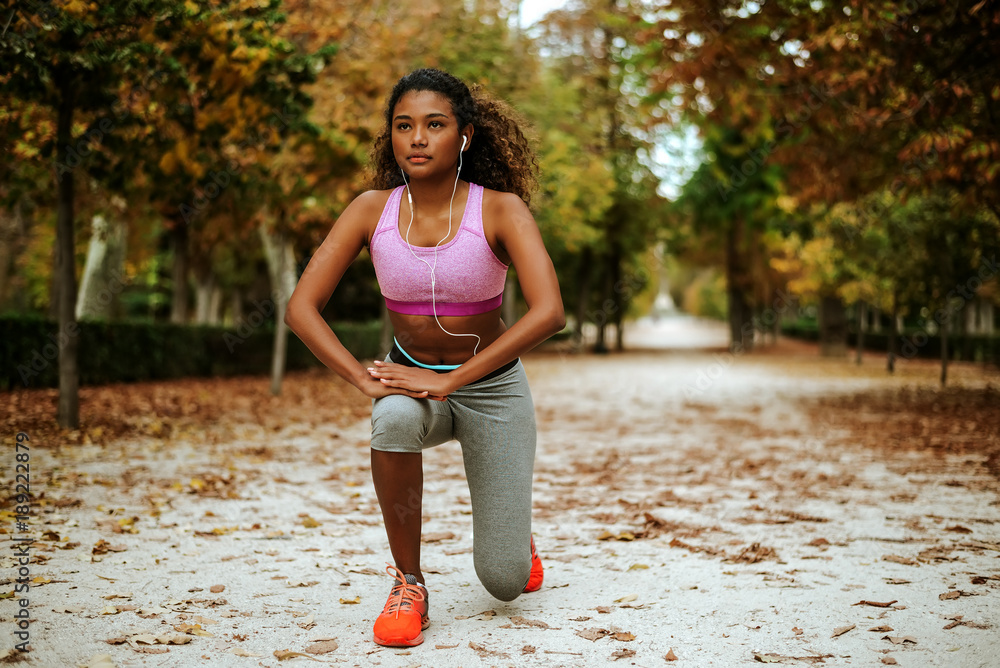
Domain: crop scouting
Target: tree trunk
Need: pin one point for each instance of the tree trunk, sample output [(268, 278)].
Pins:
[(603, 316), (13, 231), (832, 327), (583, 286), (893, 333), (862, 326), (739, 309), (69, 373), (281, 267), (204, 287), (103, 274), (944, 352), (179, 245)]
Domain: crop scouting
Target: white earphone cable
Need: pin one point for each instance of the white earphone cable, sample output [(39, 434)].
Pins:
[(409, 199)]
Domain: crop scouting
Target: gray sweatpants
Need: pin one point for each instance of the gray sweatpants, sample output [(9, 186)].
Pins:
[(494, 421)]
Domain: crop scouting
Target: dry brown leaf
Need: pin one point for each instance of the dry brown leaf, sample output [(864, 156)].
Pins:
[(324, 647), (876, 604), (285, 654), (151, 650), (445, 646), (906, 561), (624, 636), (796, 630), (627, 599), (527, 649), (881, 629), (239, 651), (302, 583), (841, 630), (437, 537), (899, 640), (593, 633), (670, 656), (949, 595), (217, 589), (522, 621), (623, 653), (769, 658), (889, 661), (350, 601)]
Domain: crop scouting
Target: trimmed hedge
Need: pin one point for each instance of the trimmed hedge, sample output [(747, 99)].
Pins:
[(975, 348), (111, 352)]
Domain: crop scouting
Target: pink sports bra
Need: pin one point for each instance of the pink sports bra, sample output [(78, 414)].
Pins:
[(470, 277)]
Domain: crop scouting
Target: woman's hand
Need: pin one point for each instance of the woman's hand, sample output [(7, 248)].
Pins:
[(410, 380)]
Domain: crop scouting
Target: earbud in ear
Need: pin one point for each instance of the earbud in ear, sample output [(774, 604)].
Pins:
[(464, 140)]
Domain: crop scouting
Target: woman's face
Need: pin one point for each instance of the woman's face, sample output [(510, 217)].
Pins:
[(425, 135)]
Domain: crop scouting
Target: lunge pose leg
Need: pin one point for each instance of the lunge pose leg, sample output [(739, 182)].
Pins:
[(452, 174)]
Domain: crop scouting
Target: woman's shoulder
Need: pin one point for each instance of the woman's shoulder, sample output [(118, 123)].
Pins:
[(501, 202)]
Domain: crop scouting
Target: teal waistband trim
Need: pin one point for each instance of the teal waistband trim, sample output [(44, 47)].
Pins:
[(432, 367)]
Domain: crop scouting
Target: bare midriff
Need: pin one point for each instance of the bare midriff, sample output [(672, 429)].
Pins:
[(421, 337)]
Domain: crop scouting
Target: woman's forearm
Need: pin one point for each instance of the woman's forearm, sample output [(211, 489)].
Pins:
[(536, 326)]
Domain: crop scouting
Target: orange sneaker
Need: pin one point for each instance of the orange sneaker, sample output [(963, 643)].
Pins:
[(405, 613), (537, 574)]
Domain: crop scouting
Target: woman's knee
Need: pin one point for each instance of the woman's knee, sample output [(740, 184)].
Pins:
[(399, 423), (504, 580)]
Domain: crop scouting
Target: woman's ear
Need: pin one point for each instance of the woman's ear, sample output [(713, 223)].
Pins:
[(467, 133)]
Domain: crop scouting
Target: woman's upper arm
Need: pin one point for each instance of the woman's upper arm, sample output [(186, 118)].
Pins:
[(518, 234), (342, 245)]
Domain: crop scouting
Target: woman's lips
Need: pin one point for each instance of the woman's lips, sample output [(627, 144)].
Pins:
[(418, 158)]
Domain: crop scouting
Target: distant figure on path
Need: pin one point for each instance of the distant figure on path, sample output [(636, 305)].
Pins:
[(446, 216)]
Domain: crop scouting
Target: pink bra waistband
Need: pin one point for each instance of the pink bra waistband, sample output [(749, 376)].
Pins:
[(444, 308)]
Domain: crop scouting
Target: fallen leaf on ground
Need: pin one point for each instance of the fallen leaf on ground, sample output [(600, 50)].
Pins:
[(622, 654), (351, 601), (324, 647), (877, 604), (445, 646), (841, 630), (796, 630), (769, 658), (527, 649), (958, 528), (889, 661), (900, 560), (949, 595), (217, 589), (624, 636), (593, 633), (522, 621), (437, 537), (627, 599), (285, 654), (896, 581), (302, 583), (670, 656), (899, 640), (881, 629), (239, 651)]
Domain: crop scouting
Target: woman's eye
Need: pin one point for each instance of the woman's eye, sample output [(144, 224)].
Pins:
[(403, 126)]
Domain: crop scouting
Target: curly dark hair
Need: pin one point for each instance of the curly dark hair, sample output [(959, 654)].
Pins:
[(499, 158)]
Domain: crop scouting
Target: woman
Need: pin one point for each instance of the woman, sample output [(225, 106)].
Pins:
[(445, 217)]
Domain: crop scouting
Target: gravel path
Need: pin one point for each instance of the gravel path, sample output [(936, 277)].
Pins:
[(722, 511)]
